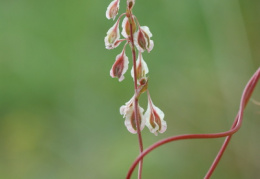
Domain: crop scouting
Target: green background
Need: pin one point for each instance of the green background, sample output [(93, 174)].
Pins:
[(59, 107)]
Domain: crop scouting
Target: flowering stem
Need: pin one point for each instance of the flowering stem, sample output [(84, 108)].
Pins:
[(137, 120), (235, 127)]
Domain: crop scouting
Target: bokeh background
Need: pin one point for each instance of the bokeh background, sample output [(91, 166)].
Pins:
[(59, 108)]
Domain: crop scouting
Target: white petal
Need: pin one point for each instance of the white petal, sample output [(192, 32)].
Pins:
[(123, 27), (160, 113), (141, 110), (109, 8), (128, 123), (126, 62), (161, 116), (113, 29), (144, 65), (136, 42), (147, 30), (125, 66), (151, 46), (123, 109), (129, 126), (163, 127)]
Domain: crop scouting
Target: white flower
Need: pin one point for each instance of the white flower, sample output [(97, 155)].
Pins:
[(120, 66), (154, 118), (141, 67), (113, 35), (127, 111), (112, 9), (142, 39), (126, 27)]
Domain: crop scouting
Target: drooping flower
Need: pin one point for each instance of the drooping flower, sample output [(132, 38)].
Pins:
[(126, 27), (112, 9), (130, 4), (113, 35), (141, 67), (120, 66), (154, 118), (128, 113), (142, 39)]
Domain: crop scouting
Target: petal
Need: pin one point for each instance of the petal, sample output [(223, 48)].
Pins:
[(163, 127), (141, 110), (127, 111), (152, 126), (130, 122), (154, 118), (141, 67), (123, 109), (113, 36), (145, 69), (140, 41), (147, 30), (112, 9), (120, 66), (126, 27), (129, 126), (150, 46), (124, 24), (159, 115)]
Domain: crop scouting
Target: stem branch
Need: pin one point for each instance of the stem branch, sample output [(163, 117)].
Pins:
[(137, 120)]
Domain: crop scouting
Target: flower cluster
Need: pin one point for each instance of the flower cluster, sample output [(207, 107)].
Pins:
[(138, 37)]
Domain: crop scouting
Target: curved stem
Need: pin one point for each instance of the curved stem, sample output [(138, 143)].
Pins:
[(235, 127), (246, 95), (137, 120)]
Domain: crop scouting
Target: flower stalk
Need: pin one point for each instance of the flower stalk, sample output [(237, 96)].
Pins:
[(138, 38), (137, 120)]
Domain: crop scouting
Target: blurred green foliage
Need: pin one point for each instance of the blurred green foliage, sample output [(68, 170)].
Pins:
[(59, 108)]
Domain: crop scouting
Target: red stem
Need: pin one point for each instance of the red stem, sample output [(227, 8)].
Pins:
[(137, 120), (235, 127), (246, 94)]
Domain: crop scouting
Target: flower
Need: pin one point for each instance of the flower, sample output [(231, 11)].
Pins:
[(126, 27), (141, 67), (112, 9), (128, 113), (120, 66), (142, 39), (130, 4), (154, 118), (113, 35)]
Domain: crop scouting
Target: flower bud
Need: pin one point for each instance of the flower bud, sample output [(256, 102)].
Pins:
[(126, 32), (120, 66), (142, 39), (143, 86), (154, 118), (128, 113), (141, 67), (112, 9), (130, 4), (113, 35)]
